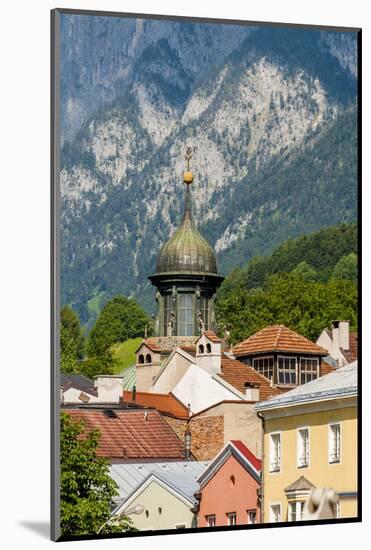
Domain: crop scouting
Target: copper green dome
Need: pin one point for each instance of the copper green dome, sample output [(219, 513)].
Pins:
[(186, 250)]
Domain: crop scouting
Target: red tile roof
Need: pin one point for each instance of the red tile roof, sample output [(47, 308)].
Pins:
[(325, 368), (129, 435), (164, 402), (277, 338), (212, 336), (238, 374), (245, 451), (151, 344)]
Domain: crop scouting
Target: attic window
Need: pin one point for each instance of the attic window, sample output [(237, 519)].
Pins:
[(201, 348), (141, 358), (208, 348), (148, 358)]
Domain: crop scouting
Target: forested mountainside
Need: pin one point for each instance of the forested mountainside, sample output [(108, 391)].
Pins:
[(270, 113)]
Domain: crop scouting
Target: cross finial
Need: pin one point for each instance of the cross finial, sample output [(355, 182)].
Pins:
[(188, 156)]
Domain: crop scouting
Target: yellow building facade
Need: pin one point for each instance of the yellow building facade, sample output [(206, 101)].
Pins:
[(310, 440)]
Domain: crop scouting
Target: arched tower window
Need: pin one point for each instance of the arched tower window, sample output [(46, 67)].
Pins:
[(208, 348), (148, 358), (141, 358), (201, 348)]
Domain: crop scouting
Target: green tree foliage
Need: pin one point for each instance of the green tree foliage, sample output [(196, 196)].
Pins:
[(104, 363), (71, 324), (68, 359), (306, 271), (86, 487), (120, 319), (289, 299), (346, 268), (319, 251)]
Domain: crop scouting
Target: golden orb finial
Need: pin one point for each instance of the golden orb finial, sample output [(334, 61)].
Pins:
[(188, 176)]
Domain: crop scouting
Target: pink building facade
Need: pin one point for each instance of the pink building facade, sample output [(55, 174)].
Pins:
[(229, 487)]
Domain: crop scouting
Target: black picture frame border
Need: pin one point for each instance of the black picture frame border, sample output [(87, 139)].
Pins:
[(55, 14)]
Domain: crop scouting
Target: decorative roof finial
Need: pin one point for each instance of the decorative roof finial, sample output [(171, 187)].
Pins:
[(188, 176)]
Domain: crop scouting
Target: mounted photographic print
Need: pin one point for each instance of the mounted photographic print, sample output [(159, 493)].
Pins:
[(205, 273)]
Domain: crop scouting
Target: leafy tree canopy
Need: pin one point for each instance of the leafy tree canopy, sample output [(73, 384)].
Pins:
[(314, 256), (120, 319), (346, 268), (306, 271), (71, 323), (86, 487), (99, 364), (289, 299), (69, 362)]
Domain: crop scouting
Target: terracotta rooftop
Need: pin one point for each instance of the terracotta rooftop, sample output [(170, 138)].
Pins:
[(256, 462), (164, 402), (277, 338), (238, 374), (325, 368), (212, 336), (151, 344), (127, 434)]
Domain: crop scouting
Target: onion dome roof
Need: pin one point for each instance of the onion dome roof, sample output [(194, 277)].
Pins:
[(187, 250)]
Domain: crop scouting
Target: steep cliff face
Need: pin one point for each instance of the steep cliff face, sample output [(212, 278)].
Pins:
[(251, 102)]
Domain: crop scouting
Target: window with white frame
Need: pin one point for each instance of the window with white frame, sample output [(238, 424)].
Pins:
[(232, 518), (334, 443), (251, 517), (264, 366), (275, 452), (211, 520), (303, 447), (308, 369), (296, 510), (286, 370), (275, 513)]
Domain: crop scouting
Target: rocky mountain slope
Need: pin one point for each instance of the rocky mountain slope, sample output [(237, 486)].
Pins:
[(269, 112)]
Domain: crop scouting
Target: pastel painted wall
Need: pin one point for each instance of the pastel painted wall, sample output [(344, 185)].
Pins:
[(342, 476), (174, 371), (162, 510), (200, 390), (232, 489)]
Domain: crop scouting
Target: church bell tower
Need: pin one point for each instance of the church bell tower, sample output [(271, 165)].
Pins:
[(186, 277)]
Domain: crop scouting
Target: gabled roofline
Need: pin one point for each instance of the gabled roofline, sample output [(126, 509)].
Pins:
[(179, 350), (228, 450), (144, 484)]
